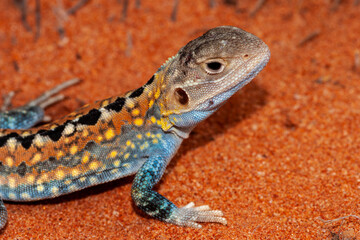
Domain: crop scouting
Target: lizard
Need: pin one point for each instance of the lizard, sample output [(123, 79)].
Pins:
[(136, 133)]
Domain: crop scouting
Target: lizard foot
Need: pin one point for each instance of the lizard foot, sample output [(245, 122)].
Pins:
[(7, 101), (190, 215), (30, 114)]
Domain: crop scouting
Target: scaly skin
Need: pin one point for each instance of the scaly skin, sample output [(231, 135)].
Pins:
[(138, 132)]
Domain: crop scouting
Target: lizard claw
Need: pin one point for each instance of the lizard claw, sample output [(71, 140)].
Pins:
[(189, 216), (7, 101)]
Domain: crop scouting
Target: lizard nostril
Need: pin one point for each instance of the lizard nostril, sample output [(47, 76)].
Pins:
[(181, 96), (246, 56)]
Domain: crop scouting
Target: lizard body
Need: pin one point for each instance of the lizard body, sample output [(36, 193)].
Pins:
[(136, 133)]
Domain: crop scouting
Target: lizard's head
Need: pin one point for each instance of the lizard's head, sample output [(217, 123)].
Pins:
[(208, 71)]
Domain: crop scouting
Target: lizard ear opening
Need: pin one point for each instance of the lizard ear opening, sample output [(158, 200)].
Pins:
[(181, 96)]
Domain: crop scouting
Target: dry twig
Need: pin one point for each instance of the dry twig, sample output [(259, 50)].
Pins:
[(61, 17), (125, 10), (37, 19), (137, 3), (335, 5), (356, 66), (338, 219), (175, 10), (129, 44), (77, 6), (22, 5), (309, 38), (258, 6), (230, 2)]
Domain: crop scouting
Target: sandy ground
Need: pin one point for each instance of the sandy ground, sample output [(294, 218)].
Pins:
[(278, 156)]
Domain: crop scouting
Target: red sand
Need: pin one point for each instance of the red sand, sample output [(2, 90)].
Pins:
[(278, 155)]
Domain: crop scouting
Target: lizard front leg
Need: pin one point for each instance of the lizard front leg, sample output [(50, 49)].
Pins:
[(156, 205)]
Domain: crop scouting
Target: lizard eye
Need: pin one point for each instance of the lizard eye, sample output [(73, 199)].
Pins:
[(214, 66), (181, 96)]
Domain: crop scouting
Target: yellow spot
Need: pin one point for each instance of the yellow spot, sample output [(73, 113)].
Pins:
[(144, 146), (109, 134), (135, 112), (165, 125), (66, 140), (82, 179), (138, 122), (25, 134), (113, 154), (67, 182), (150, 94), (36, 158), (75, 172), (139, 136), (85, 133), (12, 196), (152, 135), (60, 154), (128, 143), (148, 134), (116, 163), (175, 119), (153, 119), (9, 161), (126, 165), (158, 122), (93, 165), (30, 179), (132, 146), (73, 149), (72, 188), (130, 104), (42, 178), (151, 103), (114, 171), (100, 138), (155, 141), (60, 174), (54, 190), (135, 155), (25, 196), (157, 93), (40, 188), (159, 135), (105, 103), (126, 156), (12, 183), (85, 158)]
